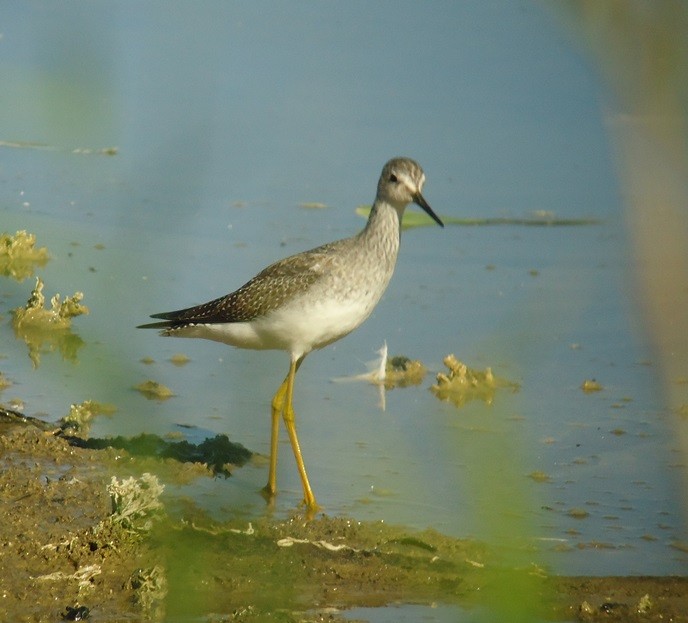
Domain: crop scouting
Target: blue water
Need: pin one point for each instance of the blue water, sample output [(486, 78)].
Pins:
[(226, 118)]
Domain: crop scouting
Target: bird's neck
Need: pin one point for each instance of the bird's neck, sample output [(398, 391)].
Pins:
[(381, 237), (383, 228)]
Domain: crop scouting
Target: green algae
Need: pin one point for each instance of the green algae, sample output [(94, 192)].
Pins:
[(19, 255), (463, 384), (34, 314), (154, 390), (46, 330), (80, 415), (540, 219)]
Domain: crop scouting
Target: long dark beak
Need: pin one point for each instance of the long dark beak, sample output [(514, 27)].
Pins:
[(419, 200)]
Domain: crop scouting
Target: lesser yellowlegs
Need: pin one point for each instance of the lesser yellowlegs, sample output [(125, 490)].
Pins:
[(309, 300)]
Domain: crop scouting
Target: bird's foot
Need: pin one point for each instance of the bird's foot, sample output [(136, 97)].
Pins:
[(268, 493)]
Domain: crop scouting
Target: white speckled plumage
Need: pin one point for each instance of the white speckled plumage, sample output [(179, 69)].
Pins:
[(309, 300)]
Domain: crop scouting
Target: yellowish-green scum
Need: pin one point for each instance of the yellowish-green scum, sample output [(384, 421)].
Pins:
[(47, 330), (539, 476), (591, 385), (80, 415), (417, 219), (103, 151), (179, 359), (154, 390), (4, 382), (401, 371), (34, 315), (19, 255), (463, 384)]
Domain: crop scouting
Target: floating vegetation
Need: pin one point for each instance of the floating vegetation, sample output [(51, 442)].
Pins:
[(79, 418), (539, 476), (19, 255), (59, 316), (578, 513), (179, 359), (401, 371), (540, 219), (389, 372), (154, 390), (464, 384), (135, 502), (98, 151), (591, 385), (45, 330), (4, 382)]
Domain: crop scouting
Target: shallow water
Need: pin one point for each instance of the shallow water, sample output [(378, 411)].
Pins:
[(225, 121)]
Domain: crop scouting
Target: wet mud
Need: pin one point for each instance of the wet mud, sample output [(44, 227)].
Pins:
[(66, 554)]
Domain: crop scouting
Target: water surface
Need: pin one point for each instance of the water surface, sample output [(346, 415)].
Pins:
[(226, 118)]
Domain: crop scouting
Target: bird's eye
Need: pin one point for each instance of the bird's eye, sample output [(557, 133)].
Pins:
[(393, 178)]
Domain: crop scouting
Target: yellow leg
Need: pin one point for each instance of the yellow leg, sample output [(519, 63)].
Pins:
[(282, 406), (289, 423), (277, 409)]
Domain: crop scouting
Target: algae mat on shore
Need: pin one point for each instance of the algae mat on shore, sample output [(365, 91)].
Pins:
[(64, 557)]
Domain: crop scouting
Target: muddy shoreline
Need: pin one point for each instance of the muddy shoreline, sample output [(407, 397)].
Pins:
[(64, 557)]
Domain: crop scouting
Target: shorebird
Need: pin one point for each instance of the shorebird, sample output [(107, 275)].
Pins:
[(309, 300)]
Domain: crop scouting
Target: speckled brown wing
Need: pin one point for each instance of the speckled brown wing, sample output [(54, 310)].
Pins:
[(268, 290)]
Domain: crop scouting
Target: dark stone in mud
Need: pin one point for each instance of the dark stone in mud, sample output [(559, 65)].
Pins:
[(80, 613)]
